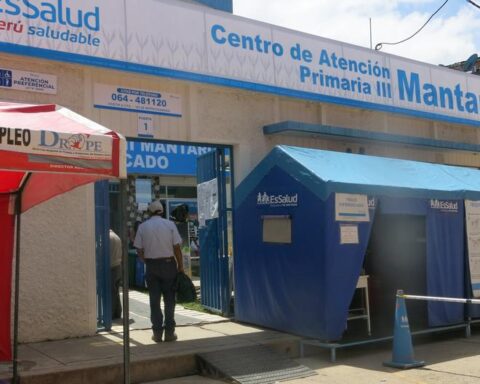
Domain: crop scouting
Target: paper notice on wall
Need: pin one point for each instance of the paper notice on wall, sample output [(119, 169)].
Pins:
[(207, 200), (142, 207), (351, 207), (472, 217), (349, 234), (145, 125)]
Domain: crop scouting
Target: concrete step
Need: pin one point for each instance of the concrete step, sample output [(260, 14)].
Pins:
[(188, 380), (99, 359)]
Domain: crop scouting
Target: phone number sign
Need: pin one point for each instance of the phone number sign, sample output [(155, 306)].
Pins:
[(137, 100)]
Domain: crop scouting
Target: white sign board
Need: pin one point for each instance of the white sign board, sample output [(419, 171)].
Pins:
[(45, 144), (28, 81), (191, 42), (351, 207), (136, 100), (207, 201), (349, 234), (472, 217)]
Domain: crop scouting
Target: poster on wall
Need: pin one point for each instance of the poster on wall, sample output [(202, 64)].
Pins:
[(351, 207), (472, 217), (207, 199), (143, 193), (28, 81), (136, 100)]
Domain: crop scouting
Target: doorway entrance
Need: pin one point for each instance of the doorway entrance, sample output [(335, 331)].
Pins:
[(396, 259), (168, 171)]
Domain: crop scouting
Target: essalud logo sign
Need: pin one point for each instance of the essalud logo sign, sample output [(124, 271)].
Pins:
[(55, 21), (443, 205), (286, 200)]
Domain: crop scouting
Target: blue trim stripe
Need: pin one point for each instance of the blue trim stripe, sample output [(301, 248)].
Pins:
[(476, 286), (222, 5), (201, 78), (320, 129), (136, 110), (352, 214)]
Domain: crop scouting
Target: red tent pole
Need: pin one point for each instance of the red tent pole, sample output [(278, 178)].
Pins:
[(7, 224), (18, 215)]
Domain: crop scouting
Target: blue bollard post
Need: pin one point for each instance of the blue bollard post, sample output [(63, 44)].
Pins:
[(402, 354)]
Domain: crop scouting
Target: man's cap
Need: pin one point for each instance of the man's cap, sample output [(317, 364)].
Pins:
[(155, 206)]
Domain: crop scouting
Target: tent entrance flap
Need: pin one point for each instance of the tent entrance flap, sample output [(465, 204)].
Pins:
[(396, 259)]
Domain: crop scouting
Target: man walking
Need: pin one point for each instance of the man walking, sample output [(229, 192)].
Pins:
[(158, 245)]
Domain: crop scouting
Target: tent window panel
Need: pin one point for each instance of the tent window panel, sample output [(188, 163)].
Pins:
[(277, 229)]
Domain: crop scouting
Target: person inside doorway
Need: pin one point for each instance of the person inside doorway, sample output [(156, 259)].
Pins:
[(158, 245), (115, 273), (132, 232)]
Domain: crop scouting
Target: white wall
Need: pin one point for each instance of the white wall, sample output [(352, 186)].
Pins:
[(57, 268)]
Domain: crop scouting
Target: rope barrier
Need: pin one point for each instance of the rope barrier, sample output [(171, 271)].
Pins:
[(434, 298), (402, 354)]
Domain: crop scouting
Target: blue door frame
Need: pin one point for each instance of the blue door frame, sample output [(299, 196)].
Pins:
[(102, 255), (214, 259)]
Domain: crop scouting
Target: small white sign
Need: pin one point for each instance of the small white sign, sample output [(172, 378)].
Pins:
[(28, 81), (207, 200), (350, 207), (145, 125), (142, 207), (136, 100), (349, 234)]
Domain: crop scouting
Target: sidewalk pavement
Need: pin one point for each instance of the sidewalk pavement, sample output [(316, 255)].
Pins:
[(450, 358), (99, 358)]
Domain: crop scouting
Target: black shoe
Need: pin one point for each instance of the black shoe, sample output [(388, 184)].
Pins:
[(171, 337), (157, 337)]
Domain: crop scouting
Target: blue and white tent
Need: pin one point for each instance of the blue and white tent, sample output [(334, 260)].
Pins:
[(305, 285)]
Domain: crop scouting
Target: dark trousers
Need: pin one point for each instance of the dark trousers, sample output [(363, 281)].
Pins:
[(116, 281), (160, 277)]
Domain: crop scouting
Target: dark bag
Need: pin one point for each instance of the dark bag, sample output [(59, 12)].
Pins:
[(186, 292)]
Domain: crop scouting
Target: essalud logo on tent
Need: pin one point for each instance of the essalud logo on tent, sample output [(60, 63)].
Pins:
[(443, 205), (277, 200)]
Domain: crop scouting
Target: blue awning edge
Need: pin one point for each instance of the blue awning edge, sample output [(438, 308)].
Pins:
[(325, 172)]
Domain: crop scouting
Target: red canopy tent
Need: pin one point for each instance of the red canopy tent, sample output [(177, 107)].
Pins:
[(45, 150)]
